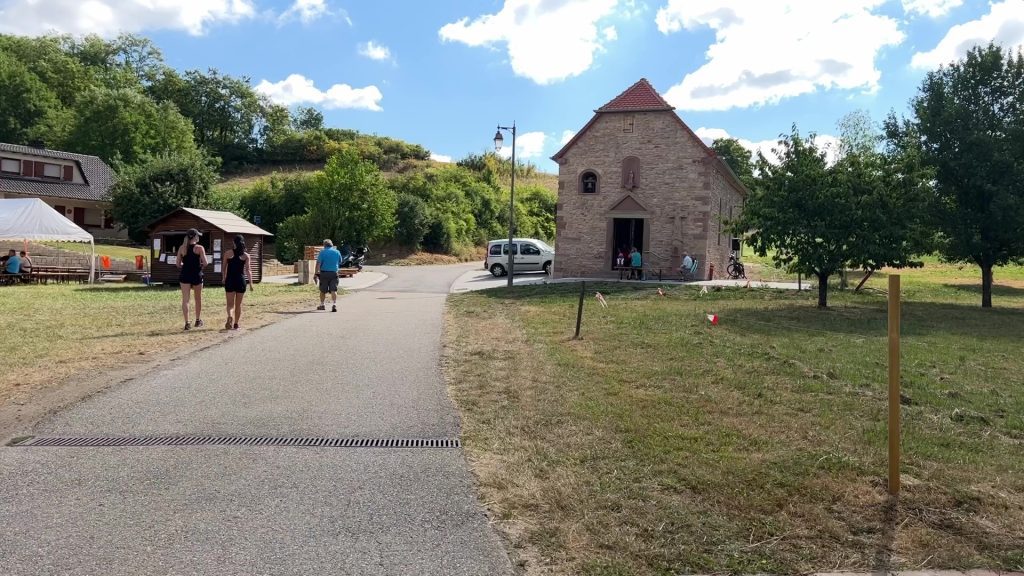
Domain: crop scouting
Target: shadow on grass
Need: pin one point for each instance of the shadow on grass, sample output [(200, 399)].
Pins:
[(887, 539), (561, 289), (124, 289), (870, 320), (998, 290)]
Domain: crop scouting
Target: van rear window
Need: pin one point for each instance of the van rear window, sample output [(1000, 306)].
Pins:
[(495, 249)]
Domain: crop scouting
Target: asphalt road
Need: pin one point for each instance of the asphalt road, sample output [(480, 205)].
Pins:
[(371, 370)]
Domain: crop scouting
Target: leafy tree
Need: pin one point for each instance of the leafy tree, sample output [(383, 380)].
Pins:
[(866, 210), (30, 110), (226, 112), (47, 58), (126, 126), (160, 184), (737, 157), (411, 221), (348, 201), (276, 199), (969, 127), (308, 119)]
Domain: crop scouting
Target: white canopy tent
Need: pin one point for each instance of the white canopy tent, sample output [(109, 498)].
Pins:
[(32, 219)]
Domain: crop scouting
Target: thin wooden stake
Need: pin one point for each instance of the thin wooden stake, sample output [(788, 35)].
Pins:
[(894, 384), (579, 311)]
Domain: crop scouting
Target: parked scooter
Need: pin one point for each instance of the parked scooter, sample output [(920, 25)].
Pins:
[(356, 259)]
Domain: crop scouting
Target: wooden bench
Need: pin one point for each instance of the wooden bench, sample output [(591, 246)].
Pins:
[(113, 277), (347, 272)]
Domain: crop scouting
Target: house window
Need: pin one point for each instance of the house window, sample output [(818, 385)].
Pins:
[(53, 171), (10, 166), (588, 182), (627, 123)]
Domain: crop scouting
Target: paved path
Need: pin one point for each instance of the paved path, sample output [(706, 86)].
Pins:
[(370, 370)]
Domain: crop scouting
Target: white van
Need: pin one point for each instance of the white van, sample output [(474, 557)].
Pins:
[(531, 255)]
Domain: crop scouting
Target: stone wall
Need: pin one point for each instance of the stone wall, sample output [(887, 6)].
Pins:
[(677, 192)]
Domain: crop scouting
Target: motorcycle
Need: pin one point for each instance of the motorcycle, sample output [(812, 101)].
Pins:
[(356, 259), (735, 268)]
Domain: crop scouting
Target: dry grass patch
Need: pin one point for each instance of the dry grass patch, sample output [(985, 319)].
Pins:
[(52, 332), (662, 445)]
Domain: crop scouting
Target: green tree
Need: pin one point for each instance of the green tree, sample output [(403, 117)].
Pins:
[(737, 157), (160, 184), (348, 201), (411, 221), (866, 210), (30, 110), (308, 118), (226, 112), (126, 126), (969, 126)]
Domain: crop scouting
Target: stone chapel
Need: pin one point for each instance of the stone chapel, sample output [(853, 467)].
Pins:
[(637, 175)]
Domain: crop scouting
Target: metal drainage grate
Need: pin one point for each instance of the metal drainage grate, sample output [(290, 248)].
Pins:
[(310, 442)]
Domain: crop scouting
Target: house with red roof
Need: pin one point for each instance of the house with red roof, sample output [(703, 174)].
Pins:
[(637, 176)]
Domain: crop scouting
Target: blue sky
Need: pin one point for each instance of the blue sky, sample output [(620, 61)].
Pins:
[(444, 73)]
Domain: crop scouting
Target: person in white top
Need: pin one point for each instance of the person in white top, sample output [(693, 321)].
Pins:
[(687, 265)]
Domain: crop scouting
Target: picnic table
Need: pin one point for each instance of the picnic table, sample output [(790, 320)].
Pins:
[(59, 274)]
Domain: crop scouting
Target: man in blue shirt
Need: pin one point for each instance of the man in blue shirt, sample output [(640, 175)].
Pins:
[(13, 265), (327, 264)]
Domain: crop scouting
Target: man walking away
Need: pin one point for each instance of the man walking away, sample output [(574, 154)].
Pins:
[(326, 274)]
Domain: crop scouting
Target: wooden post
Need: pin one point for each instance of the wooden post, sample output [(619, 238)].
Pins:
[(579, 311), (894, 384)]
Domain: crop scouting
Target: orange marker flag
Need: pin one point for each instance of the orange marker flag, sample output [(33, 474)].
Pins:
[(600, 299), (661, 292), (713, 318)]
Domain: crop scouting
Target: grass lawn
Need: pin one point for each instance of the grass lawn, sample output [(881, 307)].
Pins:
[(120, 252), (660, 444), (51, 332)]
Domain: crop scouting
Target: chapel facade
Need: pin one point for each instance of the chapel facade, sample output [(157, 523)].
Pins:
[(637, 176)]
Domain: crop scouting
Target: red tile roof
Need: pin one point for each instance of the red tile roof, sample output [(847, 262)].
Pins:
[(639, 96)]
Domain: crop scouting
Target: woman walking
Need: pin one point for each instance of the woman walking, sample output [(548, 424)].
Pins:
[(191, 261), (235, 276)]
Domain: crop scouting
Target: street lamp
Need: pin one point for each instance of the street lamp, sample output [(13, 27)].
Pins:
[(498, 141)]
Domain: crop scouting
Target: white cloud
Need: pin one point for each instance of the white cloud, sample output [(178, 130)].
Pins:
[(109, 17), (1004, 25), (306, 10), (374, 51), (547, 40), (528, 145), (825, 141), (297, 89), (766, 51), (931, 8), (610, 34), (566, 136), (440, 158)]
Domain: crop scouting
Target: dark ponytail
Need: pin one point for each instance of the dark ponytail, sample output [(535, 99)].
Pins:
[(239, 245)]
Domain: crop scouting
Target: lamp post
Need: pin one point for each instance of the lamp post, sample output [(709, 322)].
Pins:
[(498, 140)]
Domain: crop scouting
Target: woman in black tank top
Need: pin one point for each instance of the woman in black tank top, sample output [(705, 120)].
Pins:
[(191, 261), (235, 276)]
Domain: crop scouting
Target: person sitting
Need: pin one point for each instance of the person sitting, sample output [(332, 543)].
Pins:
[(686, 267), (4, 259), (26, 262), (13, 265)]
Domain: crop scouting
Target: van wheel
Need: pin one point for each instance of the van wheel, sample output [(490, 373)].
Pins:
[(498, 270), (547, 268)]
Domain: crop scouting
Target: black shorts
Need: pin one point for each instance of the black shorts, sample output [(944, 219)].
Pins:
[(235, 285), (328, 281), (191, 278)]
